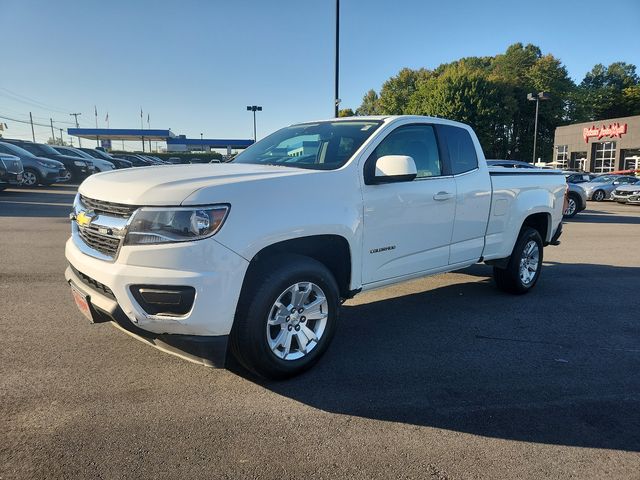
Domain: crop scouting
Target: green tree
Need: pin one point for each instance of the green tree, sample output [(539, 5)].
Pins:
[(470, 96), (346, 112), (601, 93), (397, 91), (369, 105), (56, 141)]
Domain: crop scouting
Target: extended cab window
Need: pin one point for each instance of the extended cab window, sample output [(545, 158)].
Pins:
[(462, 152), (415, 141)]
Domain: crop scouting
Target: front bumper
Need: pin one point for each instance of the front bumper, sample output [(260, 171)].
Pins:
[(210, 351), (632, 199), (215, 272), (11, 178)]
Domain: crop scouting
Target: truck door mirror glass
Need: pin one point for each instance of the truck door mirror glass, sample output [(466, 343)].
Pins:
[(395, 168)]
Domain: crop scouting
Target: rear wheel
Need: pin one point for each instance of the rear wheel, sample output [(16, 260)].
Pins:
[(30, 178), (525, 264), (286, 318), (598, 195), (572, 206)]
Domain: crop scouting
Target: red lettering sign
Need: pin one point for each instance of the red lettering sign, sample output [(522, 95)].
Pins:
[(613, 130)]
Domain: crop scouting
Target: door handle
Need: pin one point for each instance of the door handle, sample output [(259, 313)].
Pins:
[(440, 196)]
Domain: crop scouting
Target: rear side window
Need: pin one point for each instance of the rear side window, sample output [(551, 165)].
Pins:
[(462, 152)]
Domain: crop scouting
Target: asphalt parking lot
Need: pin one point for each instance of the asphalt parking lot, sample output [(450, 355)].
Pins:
[(443, 377)]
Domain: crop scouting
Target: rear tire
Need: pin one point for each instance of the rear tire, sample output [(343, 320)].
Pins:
[(572, 206), (598, 195), (525, 264), (271, 336)]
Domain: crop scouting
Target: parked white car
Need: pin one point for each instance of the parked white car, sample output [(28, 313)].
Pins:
[(259, 253), (629, 193)]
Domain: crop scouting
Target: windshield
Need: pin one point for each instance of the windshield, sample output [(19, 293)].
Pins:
[(604, 179), (69, 151), (318, 146), (21, 152)]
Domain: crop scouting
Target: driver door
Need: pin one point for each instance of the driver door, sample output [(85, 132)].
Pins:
[(408, 224)]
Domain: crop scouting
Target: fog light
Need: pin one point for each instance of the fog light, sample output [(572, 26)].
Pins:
[(163, 299)]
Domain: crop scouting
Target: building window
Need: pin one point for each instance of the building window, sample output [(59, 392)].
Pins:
[(605, 157), (578, 161), (562, 156)]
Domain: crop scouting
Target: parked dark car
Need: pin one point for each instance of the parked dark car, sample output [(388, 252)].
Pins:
[(10, 171), (578, 177), (37, 170), (136, 160), (177, 161), (78, 168), (118, 162)]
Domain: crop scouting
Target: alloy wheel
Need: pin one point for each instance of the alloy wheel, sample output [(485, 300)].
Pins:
[(29, 179), (529, 262), (297, 320)]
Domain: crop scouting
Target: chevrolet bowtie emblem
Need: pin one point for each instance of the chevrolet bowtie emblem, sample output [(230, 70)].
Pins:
[(85, 218)]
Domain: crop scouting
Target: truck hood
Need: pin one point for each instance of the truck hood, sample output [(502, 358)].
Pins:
[(173, 184)]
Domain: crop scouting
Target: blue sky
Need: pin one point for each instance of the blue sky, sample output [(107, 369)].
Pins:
[(195, 65)]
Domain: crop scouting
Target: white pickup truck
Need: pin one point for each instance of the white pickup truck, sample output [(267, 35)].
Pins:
[(259, 253)]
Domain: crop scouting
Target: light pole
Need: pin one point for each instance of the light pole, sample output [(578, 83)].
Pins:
[(254, 109), (201, 142), (536, 97), (77, 126), (337, 67)]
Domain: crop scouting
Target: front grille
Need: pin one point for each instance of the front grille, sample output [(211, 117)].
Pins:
[(90, 282), (105, 244), (623, 193), (108, 208)]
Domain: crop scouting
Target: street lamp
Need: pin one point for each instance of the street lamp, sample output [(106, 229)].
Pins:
[(254, 109), (201, 142), (536, 97)]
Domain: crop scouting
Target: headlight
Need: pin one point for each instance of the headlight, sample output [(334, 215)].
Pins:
[(46, 164), (79, 163), (183, 224)]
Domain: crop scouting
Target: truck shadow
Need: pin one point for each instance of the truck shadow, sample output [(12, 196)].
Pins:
[(594, 216), (545, 367)]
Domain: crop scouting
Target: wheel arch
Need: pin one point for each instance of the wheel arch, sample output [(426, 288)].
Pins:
[(333, 251), (541, 222)]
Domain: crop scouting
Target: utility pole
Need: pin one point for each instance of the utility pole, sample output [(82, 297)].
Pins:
[(95, 111), (77, 126), (61, 140), (53, 135), (337, 69), (33, 133)]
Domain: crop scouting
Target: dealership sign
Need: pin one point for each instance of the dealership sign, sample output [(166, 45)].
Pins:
[(613, 130)]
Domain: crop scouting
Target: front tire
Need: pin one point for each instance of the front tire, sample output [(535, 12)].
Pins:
[(599, 195), (30, 178), (525, 264), (286, 317)]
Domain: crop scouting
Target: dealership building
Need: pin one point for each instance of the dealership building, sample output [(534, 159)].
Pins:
[(599, 147)]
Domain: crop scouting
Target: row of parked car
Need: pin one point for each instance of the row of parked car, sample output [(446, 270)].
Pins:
[(29, 163), (584, 186)]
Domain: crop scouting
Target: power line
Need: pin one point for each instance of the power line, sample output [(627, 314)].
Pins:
[(25, 121), (32, 101)]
